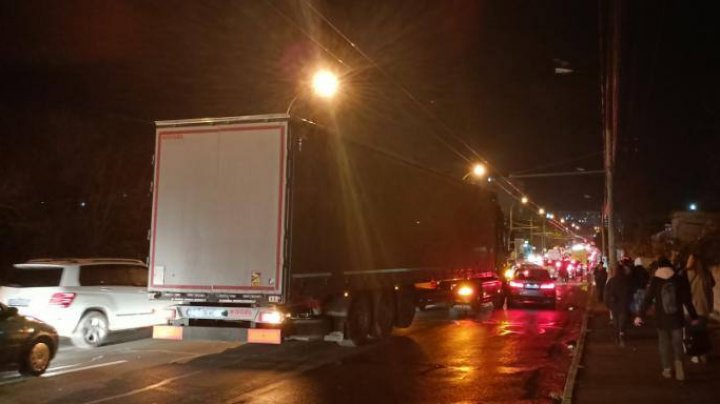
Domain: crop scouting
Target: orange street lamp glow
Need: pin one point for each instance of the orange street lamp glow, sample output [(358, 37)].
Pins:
[(325, 83)]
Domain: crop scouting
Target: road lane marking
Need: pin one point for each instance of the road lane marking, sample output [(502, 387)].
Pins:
[(99, 365), (144, 389)]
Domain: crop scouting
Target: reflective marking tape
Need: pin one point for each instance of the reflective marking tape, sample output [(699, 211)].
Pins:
[(264, 336)]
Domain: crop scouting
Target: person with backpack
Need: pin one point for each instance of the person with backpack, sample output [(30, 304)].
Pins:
[(669, 291)]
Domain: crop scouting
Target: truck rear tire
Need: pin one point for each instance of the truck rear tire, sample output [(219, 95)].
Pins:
[(359, 320), (404, 307), (383, 316)]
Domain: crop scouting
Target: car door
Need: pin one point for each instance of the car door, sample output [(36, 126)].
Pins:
[(112, 285)]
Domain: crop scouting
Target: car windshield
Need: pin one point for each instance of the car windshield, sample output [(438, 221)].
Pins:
[(33, 277), (532, 274)]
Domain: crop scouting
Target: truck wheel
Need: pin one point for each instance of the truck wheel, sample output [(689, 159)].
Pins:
[(92, 330), (359, 320), (383, 314), (404, 307)]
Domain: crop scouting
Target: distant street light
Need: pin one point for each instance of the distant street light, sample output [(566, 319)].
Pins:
[(541, 211), (562, 220), (478, 171), (693, 207), (524, 200)]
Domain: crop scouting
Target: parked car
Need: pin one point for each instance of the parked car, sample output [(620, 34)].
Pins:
[(84, 299), (531, 284), (25, 343)]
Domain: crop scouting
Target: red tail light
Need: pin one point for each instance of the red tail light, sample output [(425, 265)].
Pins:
[(62, 299), (547, 286), (514, 284)]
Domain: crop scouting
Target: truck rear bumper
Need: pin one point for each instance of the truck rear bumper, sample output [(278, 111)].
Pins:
[(249, 335)]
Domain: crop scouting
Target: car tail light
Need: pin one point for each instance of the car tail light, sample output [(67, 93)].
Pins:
[(514, 284), (62, 299), (465, 291), (547, 286)]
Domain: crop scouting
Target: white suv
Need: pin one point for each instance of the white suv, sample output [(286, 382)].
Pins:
[(84, 299)]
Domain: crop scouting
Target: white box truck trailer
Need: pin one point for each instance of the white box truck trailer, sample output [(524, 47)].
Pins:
[(266, 227)]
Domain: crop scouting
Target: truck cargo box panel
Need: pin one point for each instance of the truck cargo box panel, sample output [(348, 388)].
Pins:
[(217, 225)]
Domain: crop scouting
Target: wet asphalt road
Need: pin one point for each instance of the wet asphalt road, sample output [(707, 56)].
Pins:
[(499, 356)]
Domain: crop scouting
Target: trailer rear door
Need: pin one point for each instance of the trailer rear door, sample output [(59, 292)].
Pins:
[(219, 208)]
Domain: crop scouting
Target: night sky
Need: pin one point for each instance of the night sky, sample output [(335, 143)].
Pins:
[(84, 80)]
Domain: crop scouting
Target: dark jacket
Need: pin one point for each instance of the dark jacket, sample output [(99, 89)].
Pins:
[(618, 292), (668, 321), (640, 277)]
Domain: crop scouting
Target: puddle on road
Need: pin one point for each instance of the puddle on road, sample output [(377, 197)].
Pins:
[(505, 327)]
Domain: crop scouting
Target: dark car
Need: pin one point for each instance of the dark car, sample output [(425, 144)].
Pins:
[(464, 296), (531, 284), (26, 344)]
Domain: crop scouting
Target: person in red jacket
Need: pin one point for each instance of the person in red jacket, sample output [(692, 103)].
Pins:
[(670, 292)]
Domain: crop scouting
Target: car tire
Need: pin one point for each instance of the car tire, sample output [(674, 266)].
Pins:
[(92, 330), (499, 302), (457, 313), (36, 358)]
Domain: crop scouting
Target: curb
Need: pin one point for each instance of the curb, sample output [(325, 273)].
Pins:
[(567, 397)]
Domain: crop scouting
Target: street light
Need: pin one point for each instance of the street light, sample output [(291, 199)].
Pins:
[(524, 200), (478, 171), (324, 84), (693, 207), (541, 211)]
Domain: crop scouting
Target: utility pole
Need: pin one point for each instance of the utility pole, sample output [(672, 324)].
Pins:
[(611, 111)]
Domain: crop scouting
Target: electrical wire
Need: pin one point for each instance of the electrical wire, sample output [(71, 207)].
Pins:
[(518, 194)]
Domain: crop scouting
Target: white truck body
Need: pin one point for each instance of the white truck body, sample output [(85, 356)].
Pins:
[(218, 217)]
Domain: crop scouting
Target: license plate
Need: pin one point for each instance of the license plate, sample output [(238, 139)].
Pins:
[(18, 302), (529, 292)]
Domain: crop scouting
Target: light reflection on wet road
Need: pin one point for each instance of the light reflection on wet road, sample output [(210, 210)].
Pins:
[(499, 356)]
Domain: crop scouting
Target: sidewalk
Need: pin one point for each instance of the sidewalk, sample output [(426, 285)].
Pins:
[(609, 374)]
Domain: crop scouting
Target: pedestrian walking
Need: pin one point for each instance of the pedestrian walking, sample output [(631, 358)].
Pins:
[(669, 292), (701, 290), (600, 277), (618, 296), (640, 279)]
